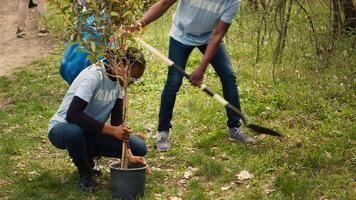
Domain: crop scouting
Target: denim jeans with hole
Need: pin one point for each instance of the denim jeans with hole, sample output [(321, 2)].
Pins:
[(179, 54), (79, 143)]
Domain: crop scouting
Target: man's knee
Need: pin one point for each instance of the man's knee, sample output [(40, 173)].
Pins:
[(73, 132), (172, 85), (138, 146), (63, 134), (228, 79)]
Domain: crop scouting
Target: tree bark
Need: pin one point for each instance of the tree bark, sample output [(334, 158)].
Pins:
[(350, 16), (337, 18)]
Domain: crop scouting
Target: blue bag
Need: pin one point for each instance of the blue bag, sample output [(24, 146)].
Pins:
[(74, 61), (75, 58)]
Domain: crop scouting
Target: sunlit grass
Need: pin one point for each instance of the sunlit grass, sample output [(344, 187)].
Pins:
[(315, 110)]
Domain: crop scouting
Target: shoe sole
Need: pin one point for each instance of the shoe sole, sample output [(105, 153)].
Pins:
[(22, 35), (236, 140), (161, 150), (43, 34)]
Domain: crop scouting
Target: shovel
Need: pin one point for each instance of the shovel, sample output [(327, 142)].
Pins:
[(203, 87)]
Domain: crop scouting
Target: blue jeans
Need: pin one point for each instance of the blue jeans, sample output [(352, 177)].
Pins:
[(179, 54), (83, 146)]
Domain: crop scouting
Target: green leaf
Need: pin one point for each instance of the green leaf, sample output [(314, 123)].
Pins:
[(93, 46), (113, 13)]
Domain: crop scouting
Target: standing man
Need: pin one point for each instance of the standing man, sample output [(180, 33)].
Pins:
[(22, 15), (198, 24)]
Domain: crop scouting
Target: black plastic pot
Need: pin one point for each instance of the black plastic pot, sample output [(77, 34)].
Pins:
[(128, 183)]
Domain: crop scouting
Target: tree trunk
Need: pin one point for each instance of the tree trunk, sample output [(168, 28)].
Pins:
[(350, 16), (337, 18)]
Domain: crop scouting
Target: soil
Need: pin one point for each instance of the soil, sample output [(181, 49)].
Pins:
[(16, 52)]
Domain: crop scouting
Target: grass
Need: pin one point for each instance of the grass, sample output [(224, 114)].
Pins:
[(311, 103)]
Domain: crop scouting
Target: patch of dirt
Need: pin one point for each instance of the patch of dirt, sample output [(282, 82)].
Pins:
[(15, 52), (4, 103), (4, 181)]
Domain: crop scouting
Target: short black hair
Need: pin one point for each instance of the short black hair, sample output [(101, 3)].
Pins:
[(131, 56), (135, 56)]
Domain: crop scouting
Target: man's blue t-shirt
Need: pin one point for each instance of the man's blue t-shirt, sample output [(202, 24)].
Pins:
[(94, 86), (194, 20)]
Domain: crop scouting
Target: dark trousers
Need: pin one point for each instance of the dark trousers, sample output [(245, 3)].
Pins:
[(179, 54), (83, 146)]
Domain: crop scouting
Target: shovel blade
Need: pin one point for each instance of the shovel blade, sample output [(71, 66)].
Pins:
[(263, 130)]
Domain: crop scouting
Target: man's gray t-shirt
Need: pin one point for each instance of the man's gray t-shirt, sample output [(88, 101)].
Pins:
[(95, 87), (194, 20)]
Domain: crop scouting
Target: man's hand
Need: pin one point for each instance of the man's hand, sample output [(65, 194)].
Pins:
[(122, 133), (137, 159), (127, 30), (196, 78)]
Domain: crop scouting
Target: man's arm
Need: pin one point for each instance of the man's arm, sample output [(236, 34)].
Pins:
[(76, 115), (221, 29), (116, 113), (156, 11)]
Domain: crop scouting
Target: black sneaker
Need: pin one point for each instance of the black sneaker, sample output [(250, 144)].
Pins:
[(20, 33), (32, 4), (94, 169), (85, 182)]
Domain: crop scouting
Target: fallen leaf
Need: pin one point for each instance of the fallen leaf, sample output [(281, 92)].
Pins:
[(182, 181), (187, 174), (244, 175), (224, 188), (158, 196), (156, 169), (33, 173), (262, 136), (3, 181), (267, 190), (175, 198)]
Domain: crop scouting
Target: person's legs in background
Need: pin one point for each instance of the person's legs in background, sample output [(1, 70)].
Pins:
[(21, 18), (32, 4), (22, 15), (42, 10)]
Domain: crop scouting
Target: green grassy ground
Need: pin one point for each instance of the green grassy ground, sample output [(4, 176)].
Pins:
[(311, 103)]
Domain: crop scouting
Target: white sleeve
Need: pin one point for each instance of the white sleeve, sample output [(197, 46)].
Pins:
[(87, 87)]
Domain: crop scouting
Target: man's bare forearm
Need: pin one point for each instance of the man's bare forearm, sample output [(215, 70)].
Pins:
[(156, 11)]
